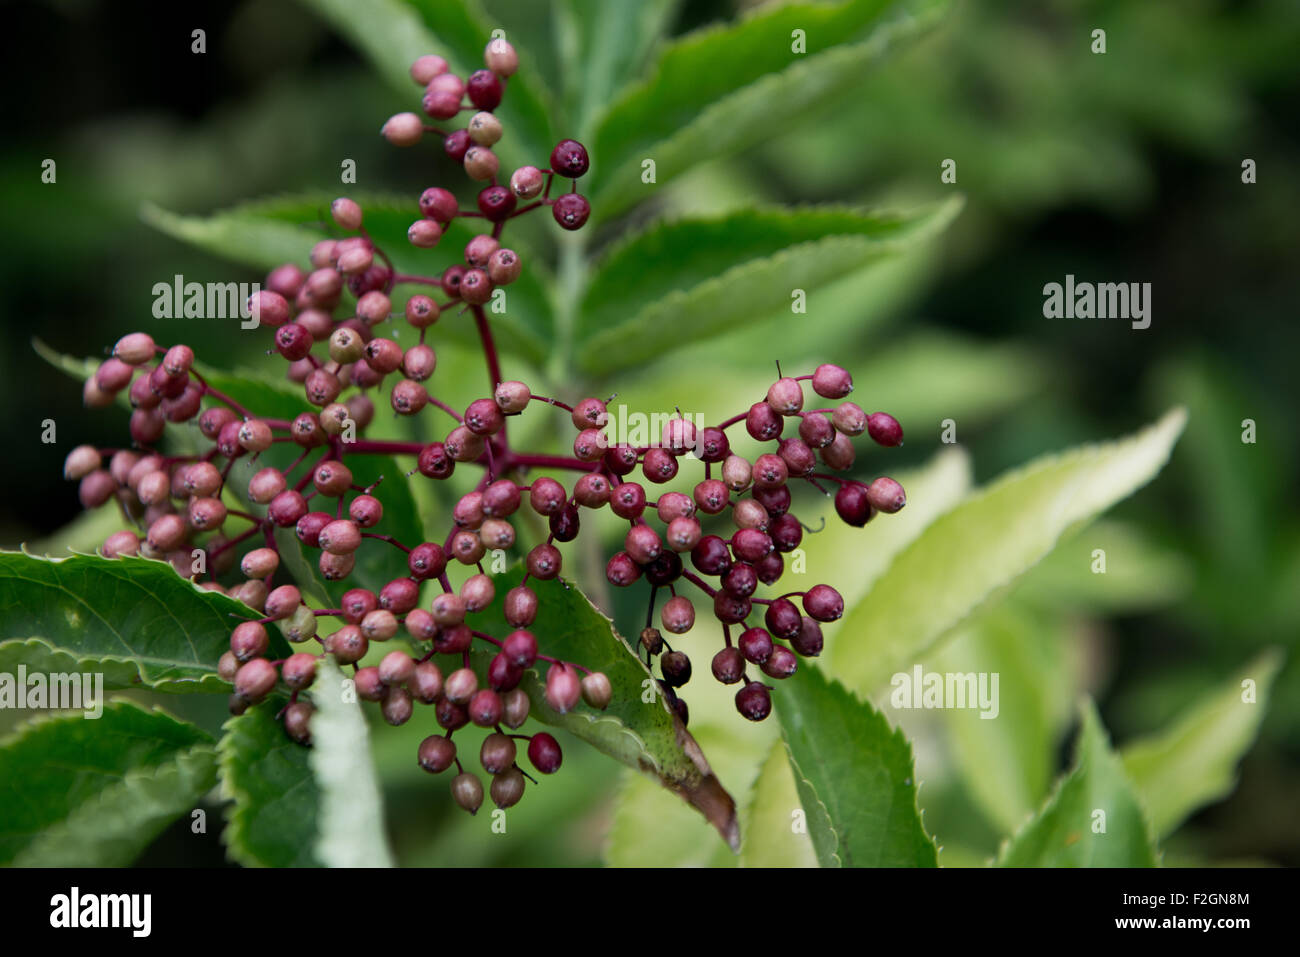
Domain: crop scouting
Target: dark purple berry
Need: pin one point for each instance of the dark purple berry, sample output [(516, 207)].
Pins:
[(753, 701), (544, 752), (782, 618), (569, 159), (728, 666), (484, 89), (571, 210), (853, 505)]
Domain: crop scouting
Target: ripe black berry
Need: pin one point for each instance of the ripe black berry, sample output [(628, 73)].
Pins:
[(753, 701)]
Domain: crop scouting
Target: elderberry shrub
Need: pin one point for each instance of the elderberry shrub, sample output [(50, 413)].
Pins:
[(323, 322)]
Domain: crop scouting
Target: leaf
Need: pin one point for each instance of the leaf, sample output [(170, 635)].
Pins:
[(350, 817), (645, 736), (82, 792), (984, 544), (771, 839), (134, 619), (611, 39), (393, 34), (1140, 572), (683, 281), (271, 821), (1193, 762), (855, 776), (723, 88), (1067, 832), (268, 232), (1007, 760)]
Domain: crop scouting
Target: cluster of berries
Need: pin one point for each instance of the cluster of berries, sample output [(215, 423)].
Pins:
[(176, 506)]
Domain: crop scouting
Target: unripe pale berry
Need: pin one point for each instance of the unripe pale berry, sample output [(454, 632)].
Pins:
[(563, 688), (248, 641), (424, 234), (467, 790), (378, 625), (678, 615), (299, 670), (521, 606), (403, 129), (484, 129), (597, 690), (425, 68), (421, 626), (501, 57), (366, 511), (441, 104), (737, 473), (849, 418), (481, 163), (259, 563), (886, 495), (840, 454), (770, 471), (477, 592), (300, 626), (591, 490), (135, 348), (255, 679), (642, 543), (527, 182), (512, 397), (426, 682), (749, 514), (121, 543), (227, 665), (544, 562), (332, 479), (627, 500), (797, 456), (408, 397), (682, 534), (504, 267), (816, 430), (460, 686), (421, 312)]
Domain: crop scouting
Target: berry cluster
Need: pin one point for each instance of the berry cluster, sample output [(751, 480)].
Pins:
[(334, 345)]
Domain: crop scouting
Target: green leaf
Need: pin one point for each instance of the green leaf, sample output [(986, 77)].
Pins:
[(134, 619), (1140, 572), (855, 776), (984, 544), (727, 87), (1007, 760), (350, 817), (1193, 762), (391, 35), (268, 232), (1068, 830), (271, 821), (83, 792), (646, 736), (771, 837), (694, 278), (611, 39)]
